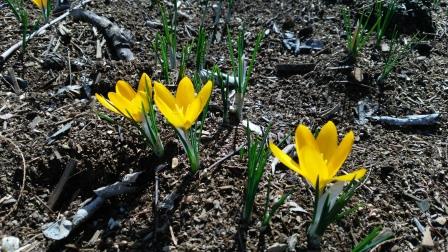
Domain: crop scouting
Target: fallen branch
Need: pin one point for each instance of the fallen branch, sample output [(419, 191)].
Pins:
[(410, 120), (6, 54), (119, 40), (60, 229)]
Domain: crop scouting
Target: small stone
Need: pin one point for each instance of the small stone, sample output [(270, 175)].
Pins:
[(441, 220), (216, 204), (357, 74), (174, 163), (10, 244), (252, 127), (427, 241), (385, 47)]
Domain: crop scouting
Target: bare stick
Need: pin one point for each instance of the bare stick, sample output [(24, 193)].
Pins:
[(217, 163), (71, 165), (6, 54)]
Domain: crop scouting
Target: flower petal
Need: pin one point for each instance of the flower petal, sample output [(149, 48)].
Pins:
[(121, 103), (327, 140), (341, 153), (192, 113), (39, 3), (107, 104), (125, 90), (284, 158), (185, 93), (173, 116), (144, 84), (313, 166), (139, 106), (165, 95), (204, 94), (304, 137), (358, 174)]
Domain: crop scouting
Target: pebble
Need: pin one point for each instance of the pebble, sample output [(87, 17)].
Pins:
[(10, 243), (174, 163), (427, 241), (216, 204), (441, 220)]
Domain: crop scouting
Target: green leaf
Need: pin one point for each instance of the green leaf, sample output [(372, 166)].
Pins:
[(374, 238)]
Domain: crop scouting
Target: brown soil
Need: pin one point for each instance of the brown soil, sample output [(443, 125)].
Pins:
[(404, 163)]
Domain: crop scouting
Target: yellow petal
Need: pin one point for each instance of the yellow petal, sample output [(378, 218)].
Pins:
[(173, 116), (284, 158), (39, 4), (192, 113), (313, 166), (304, 137), (327, 140), (125, 90), (121, 103), (107, 104), (358, 174), (139, 106), (341, 153), (164, 95), (204, 94), (145, 84), (137, 116), (185, 93)]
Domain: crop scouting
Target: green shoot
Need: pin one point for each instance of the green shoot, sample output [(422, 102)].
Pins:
[(240, 69), (160, 47), (223, 86), (47, 12), (357, 39), (19, 11), (268, 214), (258, 154), (327, 209), (150, 129), (201, 49), (186, 51), (384, 18), (396, 54), (190, 143), (375, 237), (169, 33)]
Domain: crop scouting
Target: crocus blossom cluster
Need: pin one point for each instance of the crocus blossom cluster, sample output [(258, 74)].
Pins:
[(182, 110), (320, 157), (128, 102)]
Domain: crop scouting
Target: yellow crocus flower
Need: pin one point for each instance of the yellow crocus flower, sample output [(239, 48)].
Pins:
[(183, 109), (126, 101), (41, 4), (320, 157)]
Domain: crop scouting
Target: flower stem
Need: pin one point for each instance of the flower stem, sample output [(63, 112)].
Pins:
[(239, 103), (192, 153)]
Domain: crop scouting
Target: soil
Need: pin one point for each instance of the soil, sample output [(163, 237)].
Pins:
[(407, 181)]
